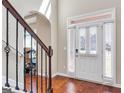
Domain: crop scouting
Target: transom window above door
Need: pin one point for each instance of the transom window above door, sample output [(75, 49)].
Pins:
[(88, 40)]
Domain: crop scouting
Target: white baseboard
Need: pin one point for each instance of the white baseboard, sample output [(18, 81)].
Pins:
[(62, 74), (52, 75), (118, 85), (12, 83), (13, 90), (40, 74)]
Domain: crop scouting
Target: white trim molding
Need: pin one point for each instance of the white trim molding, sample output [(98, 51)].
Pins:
[(12, 83), (53, 75), (117, 85)]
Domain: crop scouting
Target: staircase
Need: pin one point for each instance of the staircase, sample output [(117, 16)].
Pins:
[(5, 90), (45, 54)]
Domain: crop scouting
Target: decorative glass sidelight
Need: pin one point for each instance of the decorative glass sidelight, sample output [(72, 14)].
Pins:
[(108, 51), (71, 51)]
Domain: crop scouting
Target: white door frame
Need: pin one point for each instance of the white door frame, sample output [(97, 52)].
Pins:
[(113, 11)]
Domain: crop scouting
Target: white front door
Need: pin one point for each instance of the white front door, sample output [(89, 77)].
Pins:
[(91, 52), (88, 53)]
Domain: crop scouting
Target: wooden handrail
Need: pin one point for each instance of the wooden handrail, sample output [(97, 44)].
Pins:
[(12, 10)]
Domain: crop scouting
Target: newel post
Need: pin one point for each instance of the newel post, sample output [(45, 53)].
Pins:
[(50, 90)]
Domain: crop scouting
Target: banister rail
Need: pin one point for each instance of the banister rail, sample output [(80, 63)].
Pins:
[(12, 10)]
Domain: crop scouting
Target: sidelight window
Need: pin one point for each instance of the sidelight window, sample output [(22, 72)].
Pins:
[(108, 30)]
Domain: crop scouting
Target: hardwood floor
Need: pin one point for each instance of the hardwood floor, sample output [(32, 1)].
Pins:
[(69, 85)]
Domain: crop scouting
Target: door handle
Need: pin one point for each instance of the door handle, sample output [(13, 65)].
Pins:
[(76, 52)]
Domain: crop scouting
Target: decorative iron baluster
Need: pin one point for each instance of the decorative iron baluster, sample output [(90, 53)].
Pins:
[(46, 72), (37, 67), (50, 90), (24, 60), (7, 49), (41, 70), (31, 65), (17, 87)]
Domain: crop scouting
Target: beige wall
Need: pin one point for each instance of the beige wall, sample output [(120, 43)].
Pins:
[(30, 5), (42, 27), (54, 31), (43, 30), (68, 8)]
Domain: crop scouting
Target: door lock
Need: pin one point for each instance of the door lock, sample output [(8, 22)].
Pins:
[(76, 52)]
